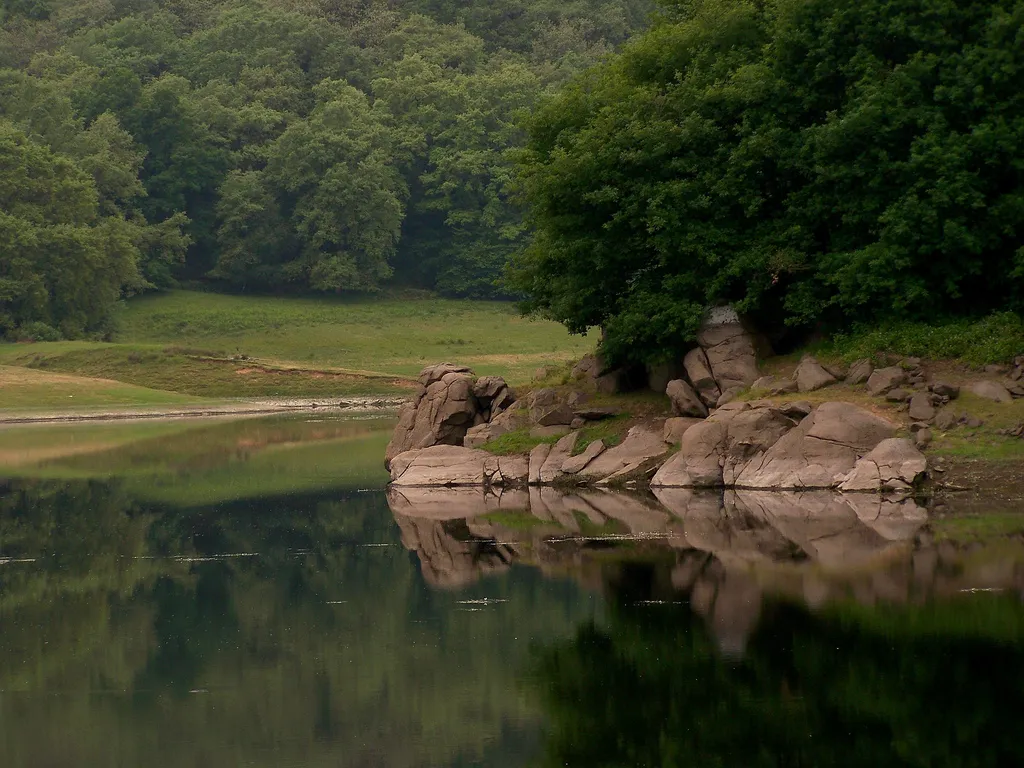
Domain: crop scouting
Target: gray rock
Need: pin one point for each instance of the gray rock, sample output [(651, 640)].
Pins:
[(884, 379), (441, 412), (589, 367), (893, 464), (639, 446), (577, 398), (538, 456), (860, 371), (551, 469), (714, 452), (685, 401), (897, 395), (945, 390), (676, 427), (543, 398), (574, 464), (482, 434), (810, 375), (447, 465), (731, 349), (765, 383), (595, 413), (973, 422), (698, 371), (798, 410), (552, 415), (945, 419), (990, 390), (922, 438), (434, 373), (577, 423), (921, 408), (728, 396)]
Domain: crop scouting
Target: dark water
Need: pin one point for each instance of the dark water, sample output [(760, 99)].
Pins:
[(246, 594)]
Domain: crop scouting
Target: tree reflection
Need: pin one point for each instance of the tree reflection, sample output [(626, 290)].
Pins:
[(653, 687)]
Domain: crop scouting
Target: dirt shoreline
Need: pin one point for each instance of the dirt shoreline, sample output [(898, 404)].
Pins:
[(242, 408)]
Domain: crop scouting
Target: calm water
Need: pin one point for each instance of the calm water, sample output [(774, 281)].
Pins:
[(246, 593)]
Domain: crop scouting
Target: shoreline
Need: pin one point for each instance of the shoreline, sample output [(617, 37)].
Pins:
[(261, 407)]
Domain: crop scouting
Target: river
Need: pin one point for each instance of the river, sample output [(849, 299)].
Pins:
[(245, 592)]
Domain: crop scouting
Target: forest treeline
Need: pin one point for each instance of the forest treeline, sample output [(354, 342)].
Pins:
[(816, 163), (324, 145)]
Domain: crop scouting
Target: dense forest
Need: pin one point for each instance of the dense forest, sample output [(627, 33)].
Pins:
[(311, 145), (816, 163)]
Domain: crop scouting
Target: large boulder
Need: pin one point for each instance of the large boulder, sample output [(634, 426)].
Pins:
[(551, 469), (676, 427), (884, 379), (731, 349), (893, 464), (810, 375), (685, 401), (698, 371), (455, 466), (820, 452), (441, 412)]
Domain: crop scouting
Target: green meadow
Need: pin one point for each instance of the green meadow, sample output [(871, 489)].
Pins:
[(206, 345)]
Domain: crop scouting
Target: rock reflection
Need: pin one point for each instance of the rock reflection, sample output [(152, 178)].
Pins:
[(725, 553)]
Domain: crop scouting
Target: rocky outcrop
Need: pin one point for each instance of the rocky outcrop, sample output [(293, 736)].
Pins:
[(440, 413), (820, 452), (860, 371), (766, 447)]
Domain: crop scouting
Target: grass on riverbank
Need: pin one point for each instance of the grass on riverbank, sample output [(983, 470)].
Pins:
[(22, 388), (216, 346)]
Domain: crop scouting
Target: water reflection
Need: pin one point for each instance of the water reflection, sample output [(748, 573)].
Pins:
[(773, 629), (240, 598)]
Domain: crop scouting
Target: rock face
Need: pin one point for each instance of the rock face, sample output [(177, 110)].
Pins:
[(685, 401), (730, 348), (447, 465), (676, 427)]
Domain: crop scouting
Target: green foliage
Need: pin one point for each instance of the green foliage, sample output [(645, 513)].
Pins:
[(518, 441), (997, 338), (811, 162)]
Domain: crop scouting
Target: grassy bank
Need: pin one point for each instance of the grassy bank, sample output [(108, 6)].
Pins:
[(215, 346)]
